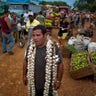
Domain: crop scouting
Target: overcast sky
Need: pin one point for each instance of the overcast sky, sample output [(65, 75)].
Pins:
[(70, 2)]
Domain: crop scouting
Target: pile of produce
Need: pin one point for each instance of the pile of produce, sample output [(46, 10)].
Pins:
[(79, 60), (54, 14), (48, 22), (93, 58), (56, 21), (71, 48), (52, 19)]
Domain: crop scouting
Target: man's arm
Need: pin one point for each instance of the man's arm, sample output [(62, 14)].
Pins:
[(57, 83), (25, 72), (14, 24), (59, 72)]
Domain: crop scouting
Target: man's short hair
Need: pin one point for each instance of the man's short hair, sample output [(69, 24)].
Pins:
[(41, 27), (6, 11)]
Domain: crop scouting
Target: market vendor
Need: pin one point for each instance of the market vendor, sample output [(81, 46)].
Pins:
[(64, 29)]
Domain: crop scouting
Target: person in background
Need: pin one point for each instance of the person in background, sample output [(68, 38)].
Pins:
[(83, 19), (40, 18), (64, 28), (0, 32), (7, 34), (14, 23), (31, 23), (22, 27), (25, 15), (42, 68)]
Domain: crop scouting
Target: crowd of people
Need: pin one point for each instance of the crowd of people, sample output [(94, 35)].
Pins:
[(67, 21)]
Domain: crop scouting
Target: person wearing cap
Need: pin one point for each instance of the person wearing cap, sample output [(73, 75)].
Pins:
[(31, 23), (26, 15)]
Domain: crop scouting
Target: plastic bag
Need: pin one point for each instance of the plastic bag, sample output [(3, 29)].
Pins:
[(71, 40), (92, 47), (86, 40)]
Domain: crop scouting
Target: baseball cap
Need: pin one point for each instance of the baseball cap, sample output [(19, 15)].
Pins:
[(30, 14)]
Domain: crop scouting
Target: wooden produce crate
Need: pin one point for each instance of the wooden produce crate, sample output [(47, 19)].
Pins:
[(82, 72), (92, 58), (94, 64)]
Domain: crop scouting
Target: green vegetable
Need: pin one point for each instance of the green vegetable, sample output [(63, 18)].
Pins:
[(71, 48)]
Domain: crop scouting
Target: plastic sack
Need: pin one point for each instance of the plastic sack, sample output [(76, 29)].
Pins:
[(71, 40), (78, 44), (92, 47), (79, 37), (86, 40)]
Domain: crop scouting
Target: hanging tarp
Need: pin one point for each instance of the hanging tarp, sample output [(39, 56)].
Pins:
[(17, 1)]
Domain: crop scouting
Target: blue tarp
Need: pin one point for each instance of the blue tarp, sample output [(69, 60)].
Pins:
[(17, 1), (36, 0)]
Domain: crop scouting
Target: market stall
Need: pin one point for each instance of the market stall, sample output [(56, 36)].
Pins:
[(83, 57)]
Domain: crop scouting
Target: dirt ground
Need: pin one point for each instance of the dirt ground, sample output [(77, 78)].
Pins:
[(11, 76)]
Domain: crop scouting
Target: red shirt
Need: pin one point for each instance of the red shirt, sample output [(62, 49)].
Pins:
[(4, 26)]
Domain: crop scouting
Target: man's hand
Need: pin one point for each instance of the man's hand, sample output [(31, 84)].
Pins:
[(25, 81), (57, 85)]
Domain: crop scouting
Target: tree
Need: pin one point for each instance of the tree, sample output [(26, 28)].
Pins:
[(85, 5), (56, 3)]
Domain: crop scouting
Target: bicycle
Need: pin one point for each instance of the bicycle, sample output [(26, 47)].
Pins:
[(22, 37)]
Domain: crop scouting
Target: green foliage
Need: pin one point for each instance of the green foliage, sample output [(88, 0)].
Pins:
[(93, 7), (85, 5), (71, 48), (56, 3), (1, 11), (5, 7), (93, 58)]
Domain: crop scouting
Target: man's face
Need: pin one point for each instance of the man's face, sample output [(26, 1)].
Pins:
[(14, 16), (39, 38), (31, 18)]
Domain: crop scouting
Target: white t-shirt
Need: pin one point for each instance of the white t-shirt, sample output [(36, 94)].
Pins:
[(26, 17)]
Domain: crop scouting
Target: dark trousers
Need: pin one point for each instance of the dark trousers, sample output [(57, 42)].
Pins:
[(39, 92)]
